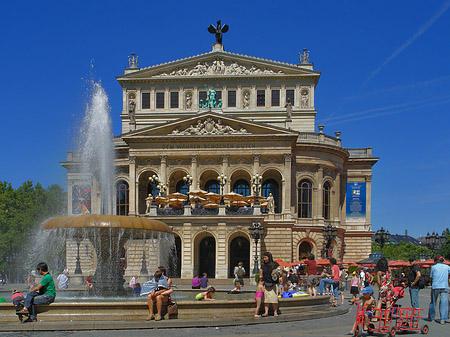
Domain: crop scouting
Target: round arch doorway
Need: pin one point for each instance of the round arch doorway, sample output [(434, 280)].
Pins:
[(304, 250), (207, 257), (239, 252)]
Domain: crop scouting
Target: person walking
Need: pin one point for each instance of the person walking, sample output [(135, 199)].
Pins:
[(239, 273), (311, 271), (413, 282), (439, 288)]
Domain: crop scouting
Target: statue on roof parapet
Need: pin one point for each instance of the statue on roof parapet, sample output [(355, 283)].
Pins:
[(133, 61), (219, 30), (304, 59), (210, 101)]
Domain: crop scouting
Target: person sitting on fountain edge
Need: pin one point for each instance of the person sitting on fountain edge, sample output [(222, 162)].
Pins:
[(160, 295), (43, 293)]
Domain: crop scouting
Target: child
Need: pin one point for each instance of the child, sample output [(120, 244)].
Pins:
[(259, 295), (368, 306), (17, 299), (206, 295), (355, 286)]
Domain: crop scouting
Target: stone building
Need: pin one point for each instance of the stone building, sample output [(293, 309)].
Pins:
[(260, 121)]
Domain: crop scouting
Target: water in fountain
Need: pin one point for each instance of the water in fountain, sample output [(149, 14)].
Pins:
[(96, 149)]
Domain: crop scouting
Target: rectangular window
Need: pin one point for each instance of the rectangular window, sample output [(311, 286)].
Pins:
[(159, 100), (276, 97), (174, 100), (232, 98), (145, 100), (260, 97), (218, 95), (290, 96)]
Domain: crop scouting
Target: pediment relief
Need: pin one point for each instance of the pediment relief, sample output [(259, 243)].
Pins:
[(208, 126), (219, 67)]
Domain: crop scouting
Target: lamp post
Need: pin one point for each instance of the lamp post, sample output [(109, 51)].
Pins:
[(154, 182), (256, 233), (434, 241), (78, 264), (329, 234), (188, 182), (144, 270), (162, 188), (381, 237), (256, 184), (222, 178)]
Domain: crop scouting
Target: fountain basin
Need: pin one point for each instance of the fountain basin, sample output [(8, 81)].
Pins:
[(138, 310)]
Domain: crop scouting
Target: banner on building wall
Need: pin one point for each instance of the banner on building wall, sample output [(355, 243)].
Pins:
[(81, 199), (356, 200)]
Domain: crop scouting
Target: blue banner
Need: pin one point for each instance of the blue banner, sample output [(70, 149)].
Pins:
[(356, 200)]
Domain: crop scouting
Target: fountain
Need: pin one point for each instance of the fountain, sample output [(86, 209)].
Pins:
[(107, 233)]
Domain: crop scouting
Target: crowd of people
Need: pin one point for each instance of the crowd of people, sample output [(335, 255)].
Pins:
[(274, 282)]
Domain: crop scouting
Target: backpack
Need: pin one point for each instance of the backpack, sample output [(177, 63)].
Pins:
[(240, 272), (275, 275)]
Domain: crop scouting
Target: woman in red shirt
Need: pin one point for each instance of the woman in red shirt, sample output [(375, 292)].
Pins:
[(333, 280)]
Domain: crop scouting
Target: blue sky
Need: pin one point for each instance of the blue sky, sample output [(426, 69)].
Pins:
[(385, 80)]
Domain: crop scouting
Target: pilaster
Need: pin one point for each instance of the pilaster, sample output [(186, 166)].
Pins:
[(132, 193), (221, 260), (194, 171), (187, 264), (287, 184)]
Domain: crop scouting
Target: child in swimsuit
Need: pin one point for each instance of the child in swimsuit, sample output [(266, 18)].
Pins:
[(206, 295), (368, 306), (259, 296)]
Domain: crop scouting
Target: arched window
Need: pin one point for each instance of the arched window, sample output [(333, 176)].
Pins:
[(304, 199), (212, 185), (326, 200), (304, 250), (242, 186), (271, 186), (122, 198), (181, 187)]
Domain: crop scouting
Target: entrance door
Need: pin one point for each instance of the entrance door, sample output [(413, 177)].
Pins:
[(207, 254), (239, 252), (305, 250)]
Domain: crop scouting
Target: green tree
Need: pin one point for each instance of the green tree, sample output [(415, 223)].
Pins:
[(22, 210), (401, 251), (445, 250)]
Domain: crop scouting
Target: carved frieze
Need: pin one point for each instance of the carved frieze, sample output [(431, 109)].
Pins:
[(179, 162), (211, 161), (219, 67), (272, 160), (208, 126), (240, 161)]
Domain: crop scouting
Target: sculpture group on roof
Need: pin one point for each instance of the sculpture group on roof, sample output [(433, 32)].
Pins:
[(209, 127)]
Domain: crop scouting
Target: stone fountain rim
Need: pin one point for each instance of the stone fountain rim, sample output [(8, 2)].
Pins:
[(106, 221)]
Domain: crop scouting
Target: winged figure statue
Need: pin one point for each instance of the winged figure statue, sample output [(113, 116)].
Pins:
[(218, 31)]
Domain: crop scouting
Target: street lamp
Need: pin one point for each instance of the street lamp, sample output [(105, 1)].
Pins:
[(256, 184), (222, 178), (162, 188), (154, 182), (329, 234), (381, 237), (188, 182), (78, 264), (144, 270), (434, 241), (256, 233)]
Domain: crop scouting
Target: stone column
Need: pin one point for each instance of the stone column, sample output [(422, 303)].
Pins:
[(225, 171), (221, 251), (256, 158), (69, 197), (163, 168), (320, 193), (132, 192), (187, 263), (195, 182), (287, 184), (368, 199), (337, 197)]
